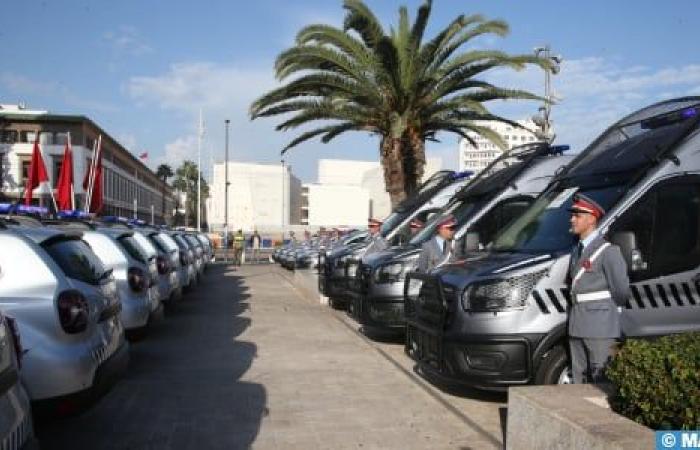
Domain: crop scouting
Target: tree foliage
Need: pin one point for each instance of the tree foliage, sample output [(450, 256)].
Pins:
[(395, 84)]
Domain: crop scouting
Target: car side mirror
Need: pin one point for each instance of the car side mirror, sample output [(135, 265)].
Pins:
[(627, 241), (471, 241)]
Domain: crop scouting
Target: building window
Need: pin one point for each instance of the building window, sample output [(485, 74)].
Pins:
[(46, 138), (25, 171), (57, 164), (8, 136), (27, 136)]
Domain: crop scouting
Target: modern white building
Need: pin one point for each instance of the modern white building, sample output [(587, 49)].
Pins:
[(260, 196), (477, 158), (129, 186), (349, 192)]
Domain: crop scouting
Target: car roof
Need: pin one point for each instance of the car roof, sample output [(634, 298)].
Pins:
[(43, 234)]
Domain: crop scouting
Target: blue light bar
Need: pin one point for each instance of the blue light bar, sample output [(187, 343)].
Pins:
[(137, 222), (464, 174), (559, 149), (73, 214), (115, 219), (670, 118), (11, 208)]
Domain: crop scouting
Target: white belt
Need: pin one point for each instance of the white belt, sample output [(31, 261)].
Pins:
[(592, 296)]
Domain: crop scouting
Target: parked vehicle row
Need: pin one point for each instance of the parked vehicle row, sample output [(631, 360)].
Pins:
[(72, 290), (497, 315)]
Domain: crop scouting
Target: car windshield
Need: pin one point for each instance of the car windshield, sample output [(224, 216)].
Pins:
[(544, 227), (77, 260), (461, 209), (158, 242), (133, 248), (192, 240)]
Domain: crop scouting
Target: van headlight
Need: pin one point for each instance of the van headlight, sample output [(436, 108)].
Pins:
[(394, 272), (501, 294)]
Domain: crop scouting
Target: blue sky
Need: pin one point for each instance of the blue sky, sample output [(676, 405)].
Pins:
[(143, 68)]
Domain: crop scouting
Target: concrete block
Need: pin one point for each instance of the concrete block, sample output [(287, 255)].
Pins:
[(571, 417)]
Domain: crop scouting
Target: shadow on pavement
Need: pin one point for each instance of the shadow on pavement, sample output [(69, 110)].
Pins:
[(183, 388)]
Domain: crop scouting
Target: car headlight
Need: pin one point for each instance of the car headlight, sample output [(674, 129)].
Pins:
[(500, 295), (394, 272)]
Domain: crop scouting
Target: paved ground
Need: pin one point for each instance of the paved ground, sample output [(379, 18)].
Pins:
[(247, 361)]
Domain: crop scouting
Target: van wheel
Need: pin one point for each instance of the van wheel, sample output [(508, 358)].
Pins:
[(554, 367)]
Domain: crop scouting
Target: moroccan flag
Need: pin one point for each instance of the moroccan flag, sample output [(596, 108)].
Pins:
[(64, 195), (143, 155), (37, 173), (96, 202)]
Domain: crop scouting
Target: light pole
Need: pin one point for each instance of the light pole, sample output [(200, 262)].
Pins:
[(546, 110), (227, 122), (283, 199)]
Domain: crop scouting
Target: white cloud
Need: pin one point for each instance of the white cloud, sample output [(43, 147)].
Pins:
[(177, 151), (127, 40), (595, 92)]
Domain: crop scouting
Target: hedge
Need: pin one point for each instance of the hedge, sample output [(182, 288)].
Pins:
[(658, 382)]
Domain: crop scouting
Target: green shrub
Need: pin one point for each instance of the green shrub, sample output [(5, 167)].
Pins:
[(658, 382)]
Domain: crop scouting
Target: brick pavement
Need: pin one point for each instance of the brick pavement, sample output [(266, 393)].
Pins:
[(245, 361)]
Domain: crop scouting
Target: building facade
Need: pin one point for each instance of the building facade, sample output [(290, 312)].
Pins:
[(476, 158), (130, 188), (260, 196)]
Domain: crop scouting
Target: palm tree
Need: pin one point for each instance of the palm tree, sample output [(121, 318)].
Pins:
[(397, 86), (164, 172), (186, 181)]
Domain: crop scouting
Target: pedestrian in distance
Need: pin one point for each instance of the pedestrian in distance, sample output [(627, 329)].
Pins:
[(440, 249), (255, 243), (238, 247), (599, 287)]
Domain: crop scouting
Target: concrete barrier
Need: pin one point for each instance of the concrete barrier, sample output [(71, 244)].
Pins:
[(571, 417)]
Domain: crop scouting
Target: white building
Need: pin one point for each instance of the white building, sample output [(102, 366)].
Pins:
[(349, 192), (477, 158), (257, 195)]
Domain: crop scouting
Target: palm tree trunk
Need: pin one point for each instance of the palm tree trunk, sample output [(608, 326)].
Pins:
[(391, 159), (414, 165)]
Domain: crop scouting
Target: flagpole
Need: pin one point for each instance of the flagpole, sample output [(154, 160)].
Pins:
[(53, 198), (200, 132), (88, 194), (93, 174), (72, 181)]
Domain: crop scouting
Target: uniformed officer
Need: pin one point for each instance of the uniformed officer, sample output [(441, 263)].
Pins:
[(599, 286), (378, 243), (440, 248), (415, 225)]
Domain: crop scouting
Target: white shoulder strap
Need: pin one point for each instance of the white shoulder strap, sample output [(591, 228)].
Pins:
[(593, 257)]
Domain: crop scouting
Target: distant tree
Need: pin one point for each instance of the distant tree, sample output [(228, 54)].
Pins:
[(395, 85), (164, 172), (186, 181)]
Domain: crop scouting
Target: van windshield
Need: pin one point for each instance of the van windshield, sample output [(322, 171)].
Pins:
[(544, 227), (77, 260), (461, 209)]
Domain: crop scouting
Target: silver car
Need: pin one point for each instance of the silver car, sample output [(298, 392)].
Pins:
[(67, 309), (187, 271), (15, 412), (208, 248), (198, 249), (168, 263)]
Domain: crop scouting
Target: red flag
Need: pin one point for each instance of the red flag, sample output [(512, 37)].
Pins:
[(143, 155), (96, 202), (65, 180), (37, 172)]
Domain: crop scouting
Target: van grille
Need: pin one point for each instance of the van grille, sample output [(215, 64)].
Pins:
[(18, 436)]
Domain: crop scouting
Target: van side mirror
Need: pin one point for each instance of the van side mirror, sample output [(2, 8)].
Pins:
[(471, 241), (627, 241)]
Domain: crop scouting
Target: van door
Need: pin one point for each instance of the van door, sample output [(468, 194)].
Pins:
[(665, 278)]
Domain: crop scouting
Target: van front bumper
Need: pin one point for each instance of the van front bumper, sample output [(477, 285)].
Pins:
[(491, 362), (381, 313)]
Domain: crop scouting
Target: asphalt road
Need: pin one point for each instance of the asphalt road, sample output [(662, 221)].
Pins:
[(247, 360)]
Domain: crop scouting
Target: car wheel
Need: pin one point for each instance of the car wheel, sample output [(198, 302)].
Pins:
[(554, 367)]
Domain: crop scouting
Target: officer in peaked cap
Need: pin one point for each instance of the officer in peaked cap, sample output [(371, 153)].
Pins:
[(439, 249), (378, 243), (415, 225), (599, 286)]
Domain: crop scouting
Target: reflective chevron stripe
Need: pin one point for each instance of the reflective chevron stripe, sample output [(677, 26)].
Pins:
[(592, 296)]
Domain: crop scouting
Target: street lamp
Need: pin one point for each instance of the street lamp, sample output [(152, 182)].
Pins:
[(543, 121), (226, 184), (283, 199)]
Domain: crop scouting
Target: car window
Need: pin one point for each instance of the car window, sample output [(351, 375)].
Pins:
[(157, 241), (76, 259), (132, 247), (180, 242), (666, 225)]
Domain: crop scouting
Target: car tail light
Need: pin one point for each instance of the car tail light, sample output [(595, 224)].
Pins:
[(162, 264), (16, 340), (137, 279), (72, 311)]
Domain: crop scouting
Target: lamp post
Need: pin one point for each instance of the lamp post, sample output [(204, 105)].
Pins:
[(227, 122), (546, 110), (283, 200)]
